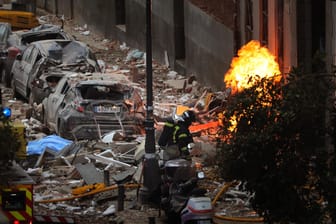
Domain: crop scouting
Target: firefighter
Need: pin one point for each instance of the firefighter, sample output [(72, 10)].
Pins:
[(176, 136)]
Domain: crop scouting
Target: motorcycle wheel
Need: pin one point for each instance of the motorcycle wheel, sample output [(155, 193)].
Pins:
[(173, 217)]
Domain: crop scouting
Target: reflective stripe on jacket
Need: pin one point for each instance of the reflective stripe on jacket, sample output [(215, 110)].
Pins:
[(182, 137)]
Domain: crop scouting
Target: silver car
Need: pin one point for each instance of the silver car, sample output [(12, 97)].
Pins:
[(88, 109), (17, 41), (40, 57)]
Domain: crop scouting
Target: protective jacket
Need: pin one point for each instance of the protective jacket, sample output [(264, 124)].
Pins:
[(176, 134), (166, 137), (182, 137)]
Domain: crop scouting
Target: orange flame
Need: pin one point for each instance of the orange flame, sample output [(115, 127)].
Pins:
[(253, 60)]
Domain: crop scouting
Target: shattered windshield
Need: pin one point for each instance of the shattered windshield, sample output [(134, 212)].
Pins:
[(74, 53), (100, 92)]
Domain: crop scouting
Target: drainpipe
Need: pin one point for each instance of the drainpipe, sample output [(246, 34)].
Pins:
[(71, 9), (56, 7), (150, 193), (333, 32), (236, 34)]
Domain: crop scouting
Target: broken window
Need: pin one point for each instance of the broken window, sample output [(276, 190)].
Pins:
[(249, 21), (101, 92), (179, 30), (280, 33), (264, 23)]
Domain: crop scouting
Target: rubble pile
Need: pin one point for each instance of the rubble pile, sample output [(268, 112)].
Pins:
[(83, 179), (98, 181)]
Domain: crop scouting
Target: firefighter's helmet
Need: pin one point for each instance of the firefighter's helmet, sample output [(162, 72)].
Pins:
[(189, 116)]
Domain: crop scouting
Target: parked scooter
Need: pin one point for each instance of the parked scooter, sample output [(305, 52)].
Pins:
[(182, 200)]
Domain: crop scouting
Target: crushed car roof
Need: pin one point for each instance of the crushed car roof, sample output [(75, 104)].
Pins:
[(98, 82), (68, 51), (45, 28), (96, 78)]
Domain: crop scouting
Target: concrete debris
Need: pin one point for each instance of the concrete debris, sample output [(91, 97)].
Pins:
[(86, 33), (89, 173), (172, 75), (114, 160), (178, 84), (124, 176), (124, 47), (68, 207), (110, 210), (134, 55)]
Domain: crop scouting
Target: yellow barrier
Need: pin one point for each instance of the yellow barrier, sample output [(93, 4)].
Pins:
[(19, 19), (20, 129)]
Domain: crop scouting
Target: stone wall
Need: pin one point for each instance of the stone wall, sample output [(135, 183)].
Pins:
[(209, 47)]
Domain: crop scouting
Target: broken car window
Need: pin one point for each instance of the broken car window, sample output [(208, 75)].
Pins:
[(101, 92)]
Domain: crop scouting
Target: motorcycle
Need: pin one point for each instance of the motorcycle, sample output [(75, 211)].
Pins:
[(182, 200)]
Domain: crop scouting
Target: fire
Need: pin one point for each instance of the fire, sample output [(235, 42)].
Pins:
[(253, 60)]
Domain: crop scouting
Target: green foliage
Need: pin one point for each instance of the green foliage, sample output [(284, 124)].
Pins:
[(279, 150), (9, 143)]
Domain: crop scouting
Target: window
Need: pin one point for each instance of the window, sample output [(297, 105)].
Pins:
[(26, 54), (280, 32), (69, 96), (33, 56), (179, 30), (249, 20), (264, 22), (65, 88)]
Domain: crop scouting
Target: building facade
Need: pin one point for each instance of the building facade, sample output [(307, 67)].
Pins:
[(192, 40)]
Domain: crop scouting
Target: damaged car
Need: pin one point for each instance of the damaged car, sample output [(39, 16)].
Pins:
[(41, 56), (5, 32), (91, 108), (19, 40)]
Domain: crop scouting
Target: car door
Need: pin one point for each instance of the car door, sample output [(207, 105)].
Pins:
[(27, 70), (55, 100), (18, 70)]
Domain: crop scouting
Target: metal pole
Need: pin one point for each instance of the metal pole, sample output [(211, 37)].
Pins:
[(149, 72), (121, 197), (151, 172), (106, 178)]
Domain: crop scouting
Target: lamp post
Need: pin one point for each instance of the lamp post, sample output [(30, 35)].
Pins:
[(150, 191)]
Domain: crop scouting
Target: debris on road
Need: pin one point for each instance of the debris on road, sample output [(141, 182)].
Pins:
[(81, 179)]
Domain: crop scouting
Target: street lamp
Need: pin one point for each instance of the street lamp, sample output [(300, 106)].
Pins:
[(150, 192)]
